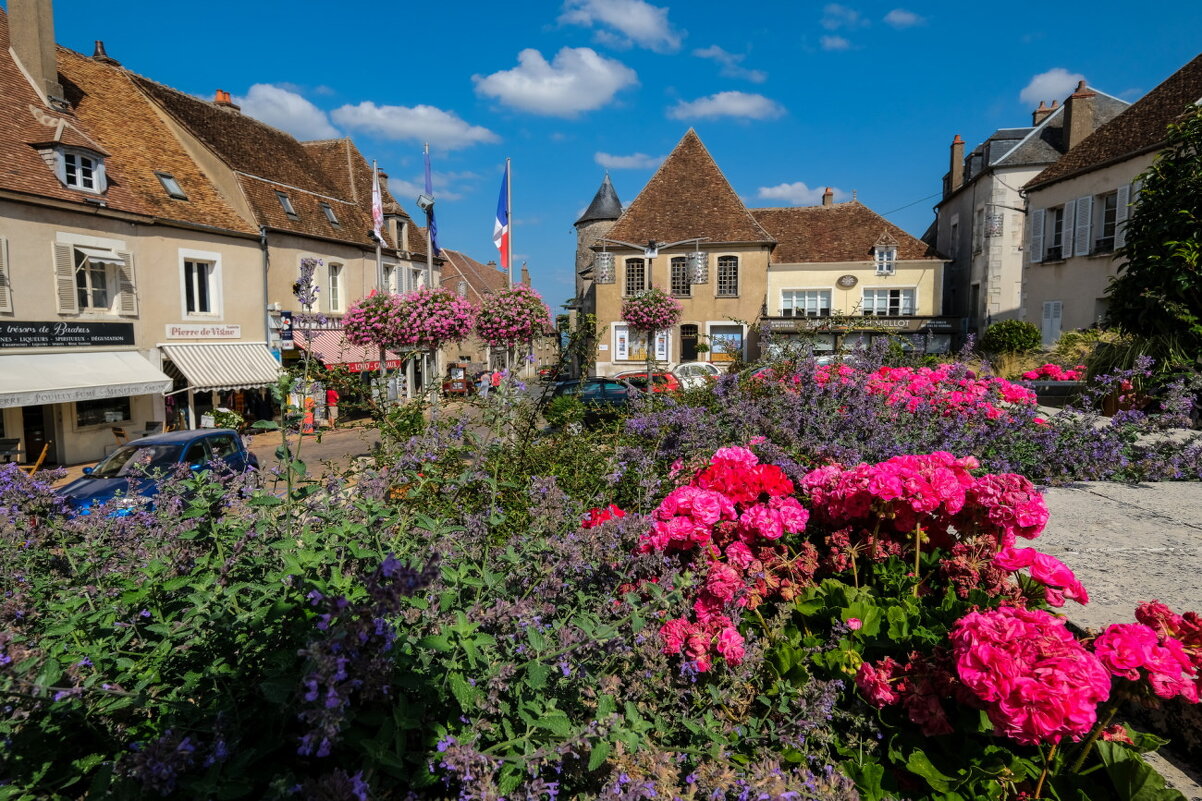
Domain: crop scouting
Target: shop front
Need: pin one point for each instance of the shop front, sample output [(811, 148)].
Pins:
[(211, 377), (841, 334)]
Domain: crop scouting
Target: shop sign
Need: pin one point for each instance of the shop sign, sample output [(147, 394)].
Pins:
[(203, 331), (61, 334), (907, 324), (367, 367)]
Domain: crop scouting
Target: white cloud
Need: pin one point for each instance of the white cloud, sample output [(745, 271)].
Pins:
[(447, 186), (635, 161), (1055, 84), (835, 16), (443, 129), (579, 79), (900, 18), (797, 193), (835, 43), (636, 21), (731, 64), (728, 104), (286, 110)]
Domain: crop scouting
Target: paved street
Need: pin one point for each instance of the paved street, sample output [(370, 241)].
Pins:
[(334, 451)]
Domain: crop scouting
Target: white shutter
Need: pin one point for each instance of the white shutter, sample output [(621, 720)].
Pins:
[(1035, 237), (127, 299), (1050, 329), (1120, 215), (6, 292), (64, 278), (621, 342), (1084, 221), (1066, 232)]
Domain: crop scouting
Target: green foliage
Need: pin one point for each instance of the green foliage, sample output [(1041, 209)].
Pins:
[(564, 410), (1010, 336), (1158, 292), (227, 419)]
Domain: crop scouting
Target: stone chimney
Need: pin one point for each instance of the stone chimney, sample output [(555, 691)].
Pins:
[(1078, 115), (956, 170), (1040, 114), (828, 197), (31, 34), (104, 58), (223, 99), (525, 274)]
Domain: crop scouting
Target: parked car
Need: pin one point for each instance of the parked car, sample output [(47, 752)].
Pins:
[(660, 382), (550, 373), (603, 398), (696, 374), (134, 473)]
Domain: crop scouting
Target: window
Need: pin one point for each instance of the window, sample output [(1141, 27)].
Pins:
[(171, 186), (805, 303), (1054, 225), (728, 276), (888, 302), (102, 411), (885, 258), (954, 247), (636, 276), (81, 170), (286, 204), (630, 345), (391, 277), (335, 286), (329, 212), (681, 279), (92, 283), (199, 291), (1107, 210), (222, 446), (978, 230)]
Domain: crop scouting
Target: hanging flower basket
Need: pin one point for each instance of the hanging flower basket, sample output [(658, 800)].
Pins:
[(513, 316), (425, 318), (654, 310)]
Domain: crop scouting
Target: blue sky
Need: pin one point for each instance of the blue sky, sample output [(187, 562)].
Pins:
[(789, 97)]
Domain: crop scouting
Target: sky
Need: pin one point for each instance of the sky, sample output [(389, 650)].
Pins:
[(789, 97)]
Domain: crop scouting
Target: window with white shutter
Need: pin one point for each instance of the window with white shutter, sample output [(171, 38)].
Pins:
[(1121, 213), (1070, 219), (1035, 245), (1052, 312), (127, 298), (64, 279), (6, 291), (1084, 223)]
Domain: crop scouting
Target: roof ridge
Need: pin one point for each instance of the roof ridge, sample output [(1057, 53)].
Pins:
[(728, 183)]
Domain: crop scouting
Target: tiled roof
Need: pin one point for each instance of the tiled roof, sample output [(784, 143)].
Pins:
[(840, 232), (1138, 129), (1047, 143), (605, 205), (688, 197), (482, 279)]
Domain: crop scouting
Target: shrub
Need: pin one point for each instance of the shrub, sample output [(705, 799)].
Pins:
[(1011, 336), (564, 410)]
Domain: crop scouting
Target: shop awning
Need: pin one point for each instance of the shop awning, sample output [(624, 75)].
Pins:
[(31, 379), (332, 349), (224, 366), (101, 255)]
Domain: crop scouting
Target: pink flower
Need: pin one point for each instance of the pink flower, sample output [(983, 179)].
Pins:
[(1124, 648), (873, 682), (855, 624), (730, 645), (723, 581), (1060, 580), (675, 633)]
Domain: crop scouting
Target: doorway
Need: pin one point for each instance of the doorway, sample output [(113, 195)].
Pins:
[(38, 425), (688, 343)]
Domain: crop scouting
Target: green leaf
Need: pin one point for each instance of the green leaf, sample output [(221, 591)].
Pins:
[(600, 754), (536, 675), (556, 722), (920, 765), (1133, 778), (868, 779), (464, 693), (265, 425), (435, 642)]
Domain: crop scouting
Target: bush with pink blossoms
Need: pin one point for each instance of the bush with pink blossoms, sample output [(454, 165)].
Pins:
[(374, 321), (653, 310), (1054, 372), (513, 316)]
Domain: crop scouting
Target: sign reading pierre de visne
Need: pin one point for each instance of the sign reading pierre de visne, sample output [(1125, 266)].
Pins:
[(63, 334), (203, 331)]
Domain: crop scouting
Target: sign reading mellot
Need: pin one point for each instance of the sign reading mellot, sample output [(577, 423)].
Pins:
[(203, 331), (60, 334)]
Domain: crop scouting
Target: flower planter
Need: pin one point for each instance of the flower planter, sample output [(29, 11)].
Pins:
[(1057, 394)]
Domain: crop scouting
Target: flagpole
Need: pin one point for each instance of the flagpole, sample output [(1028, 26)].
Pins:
[(429, 232), (375, 171), (509, 211)]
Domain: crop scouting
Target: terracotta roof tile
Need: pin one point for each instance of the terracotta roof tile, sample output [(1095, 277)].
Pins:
[(482, 279), (688, 197), (836, 233), (1138, 129)]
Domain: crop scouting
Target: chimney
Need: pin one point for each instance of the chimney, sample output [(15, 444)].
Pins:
[(31, 34), (223, 99), (1078, 116), (525, 275), (828, 197), (956, 172), (104, 58), (1041, 113)]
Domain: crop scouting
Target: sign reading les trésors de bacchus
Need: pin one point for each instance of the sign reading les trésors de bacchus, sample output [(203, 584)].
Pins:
[(62, 334)]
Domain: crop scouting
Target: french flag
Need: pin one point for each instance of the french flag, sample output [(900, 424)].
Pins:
[(500, 229)]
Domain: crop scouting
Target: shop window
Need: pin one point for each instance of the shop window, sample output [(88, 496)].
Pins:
[(805, 303), (102, 411), (888, 302)]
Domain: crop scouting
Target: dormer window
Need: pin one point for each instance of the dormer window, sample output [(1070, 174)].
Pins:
[(886, 259), (81, 169), (286, 204), (171, 185), (329, 212)]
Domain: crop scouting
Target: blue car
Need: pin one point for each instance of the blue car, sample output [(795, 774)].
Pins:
[(133, 473)]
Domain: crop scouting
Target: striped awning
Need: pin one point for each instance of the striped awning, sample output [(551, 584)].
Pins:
[(36, 378), (224, 366), (332, 349)]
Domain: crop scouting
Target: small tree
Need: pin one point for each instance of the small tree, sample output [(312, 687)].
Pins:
[(1157, 295), (1011, 336)]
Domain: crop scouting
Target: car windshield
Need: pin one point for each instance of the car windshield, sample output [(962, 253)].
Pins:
[(135, 460)]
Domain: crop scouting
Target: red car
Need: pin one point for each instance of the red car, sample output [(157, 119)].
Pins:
[(660, 382)]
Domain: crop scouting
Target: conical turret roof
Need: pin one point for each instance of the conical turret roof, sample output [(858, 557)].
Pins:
[(605, 205)]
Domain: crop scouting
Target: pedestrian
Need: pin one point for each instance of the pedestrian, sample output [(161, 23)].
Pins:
[(484, 383), (496, 379), (332, 398)]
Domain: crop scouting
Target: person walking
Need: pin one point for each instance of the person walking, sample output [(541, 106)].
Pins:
[(484, 383), (332, 398)]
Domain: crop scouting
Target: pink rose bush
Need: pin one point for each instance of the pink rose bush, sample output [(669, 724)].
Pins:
[(1054, 372), (513, 316), (654, 310)]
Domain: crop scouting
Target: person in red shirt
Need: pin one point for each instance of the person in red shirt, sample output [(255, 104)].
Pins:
[(332, 407)]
